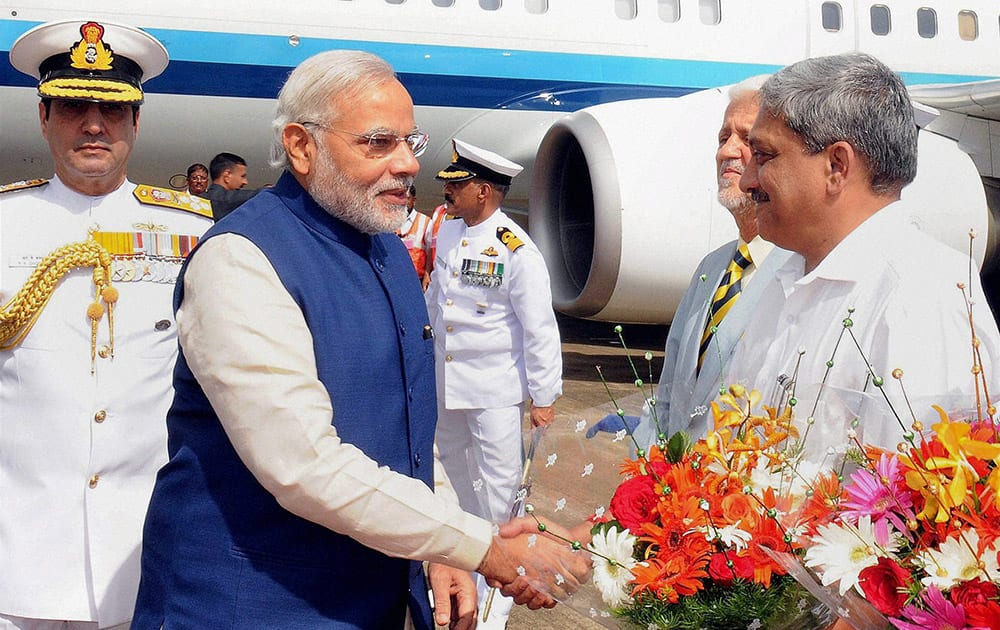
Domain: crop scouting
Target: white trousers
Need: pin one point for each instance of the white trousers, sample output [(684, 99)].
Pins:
[(10, 622), (482, 452)]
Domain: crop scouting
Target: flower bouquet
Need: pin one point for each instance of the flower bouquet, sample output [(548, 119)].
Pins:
[(917, 532), (687, 538)]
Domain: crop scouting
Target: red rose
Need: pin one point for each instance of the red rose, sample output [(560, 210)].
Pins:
[(634, 503), (743, 567), (979, 598), (884, 585)]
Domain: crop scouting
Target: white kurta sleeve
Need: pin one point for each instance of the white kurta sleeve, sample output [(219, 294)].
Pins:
[(247, 343)]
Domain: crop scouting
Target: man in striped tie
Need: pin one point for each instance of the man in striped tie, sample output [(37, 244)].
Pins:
[(720, 298)]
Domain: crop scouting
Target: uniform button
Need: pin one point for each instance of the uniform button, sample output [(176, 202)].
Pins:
[(449, 302), (104, 352), (94, 480), (465, 243), (409, 393), (450, 328), (100, 416), (162, 325), (402, 328), (416, 459), (379, 264), (447, 359), (454, 274)]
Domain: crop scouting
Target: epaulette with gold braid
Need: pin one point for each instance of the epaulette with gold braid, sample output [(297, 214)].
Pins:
[(23, 185), (508, 238), (167, 198)]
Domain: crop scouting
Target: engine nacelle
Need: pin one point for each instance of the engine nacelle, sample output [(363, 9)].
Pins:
[(623, 203)]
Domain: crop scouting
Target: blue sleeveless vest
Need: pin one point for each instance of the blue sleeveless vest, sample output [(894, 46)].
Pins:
[(218, 550)]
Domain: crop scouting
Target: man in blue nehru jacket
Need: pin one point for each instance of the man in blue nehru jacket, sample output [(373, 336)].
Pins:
[(302, 487)]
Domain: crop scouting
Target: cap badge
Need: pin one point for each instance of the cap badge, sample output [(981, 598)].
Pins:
[(91, 53)]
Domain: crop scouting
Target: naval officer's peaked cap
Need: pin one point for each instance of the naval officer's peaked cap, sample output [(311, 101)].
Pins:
[(468, 161), (89, 60)]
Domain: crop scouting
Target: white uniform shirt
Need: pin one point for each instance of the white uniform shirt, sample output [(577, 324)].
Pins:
[(908, 314), (496, 339), (79, 451)]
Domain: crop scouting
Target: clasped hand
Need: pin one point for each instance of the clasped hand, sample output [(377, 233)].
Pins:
[(533, 567)]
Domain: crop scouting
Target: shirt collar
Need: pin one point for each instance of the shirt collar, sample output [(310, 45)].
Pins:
[(850, 260)]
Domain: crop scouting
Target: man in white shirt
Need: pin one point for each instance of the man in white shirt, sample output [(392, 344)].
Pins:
[(87, 341), (699, 346), (496, 339), (865, 293)]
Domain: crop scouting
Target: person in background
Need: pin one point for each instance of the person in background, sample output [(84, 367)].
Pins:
[(229, 180), (197, 179), (439, 216), (496, 340), (87, 334), (303, 483), (721, 297), (413, 232)]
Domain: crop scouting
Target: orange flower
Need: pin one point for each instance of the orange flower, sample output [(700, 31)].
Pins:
[(670, 578)]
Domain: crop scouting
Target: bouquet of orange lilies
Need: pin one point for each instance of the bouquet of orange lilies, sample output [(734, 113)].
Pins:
[(687, 539)]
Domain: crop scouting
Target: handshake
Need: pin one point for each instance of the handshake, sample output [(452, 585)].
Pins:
[(537, 568)]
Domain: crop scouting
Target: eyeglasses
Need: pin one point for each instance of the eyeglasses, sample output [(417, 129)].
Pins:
[(382, 143)]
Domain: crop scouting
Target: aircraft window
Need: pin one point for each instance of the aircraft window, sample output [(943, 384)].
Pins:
[(709, 11), (881, 22), (443, 3), (833, 16), (489, 5), (669, 10), (927, 22), (968, 25), (536, 7), (625, 9)]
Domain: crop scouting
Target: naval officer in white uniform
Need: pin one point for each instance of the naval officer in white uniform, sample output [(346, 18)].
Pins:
[(496, 341), (87, 334)]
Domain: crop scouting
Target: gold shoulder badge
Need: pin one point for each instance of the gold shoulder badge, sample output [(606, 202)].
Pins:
[(509, 239), (489, 251), (156, 196), (23, 185)]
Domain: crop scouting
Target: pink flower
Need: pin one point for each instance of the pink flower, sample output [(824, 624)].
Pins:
[(883, 495), (939, 614)]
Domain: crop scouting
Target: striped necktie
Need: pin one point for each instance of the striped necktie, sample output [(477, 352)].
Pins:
[(724, 298)]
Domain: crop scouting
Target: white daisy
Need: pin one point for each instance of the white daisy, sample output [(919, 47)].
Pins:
[(612, 577), (841, 551), (730, 535), (955, 562)]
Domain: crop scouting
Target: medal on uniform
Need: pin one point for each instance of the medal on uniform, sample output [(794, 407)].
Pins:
[(482, 273)]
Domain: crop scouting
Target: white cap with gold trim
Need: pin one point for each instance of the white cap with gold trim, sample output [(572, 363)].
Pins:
[(468, 161), (89, 60)]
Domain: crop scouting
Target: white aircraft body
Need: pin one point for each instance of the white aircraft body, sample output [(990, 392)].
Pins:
[(613, 106)]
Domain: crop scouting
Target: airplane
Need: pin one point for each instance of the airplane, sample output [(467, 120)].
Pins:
[(611, 105)]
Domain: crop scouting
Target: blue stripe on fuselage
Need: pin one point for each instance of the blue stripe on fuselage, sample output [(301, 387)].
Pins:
[(255, 66)]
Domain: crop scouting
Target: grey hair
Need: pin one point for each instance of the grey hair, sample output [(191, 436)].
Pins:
[(855, 98), (311, 89), (749, 86)]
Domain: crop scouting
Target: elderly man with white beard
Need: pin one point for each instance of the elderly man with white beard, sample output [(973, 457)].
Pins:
[(303, 488), (720, 299)]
